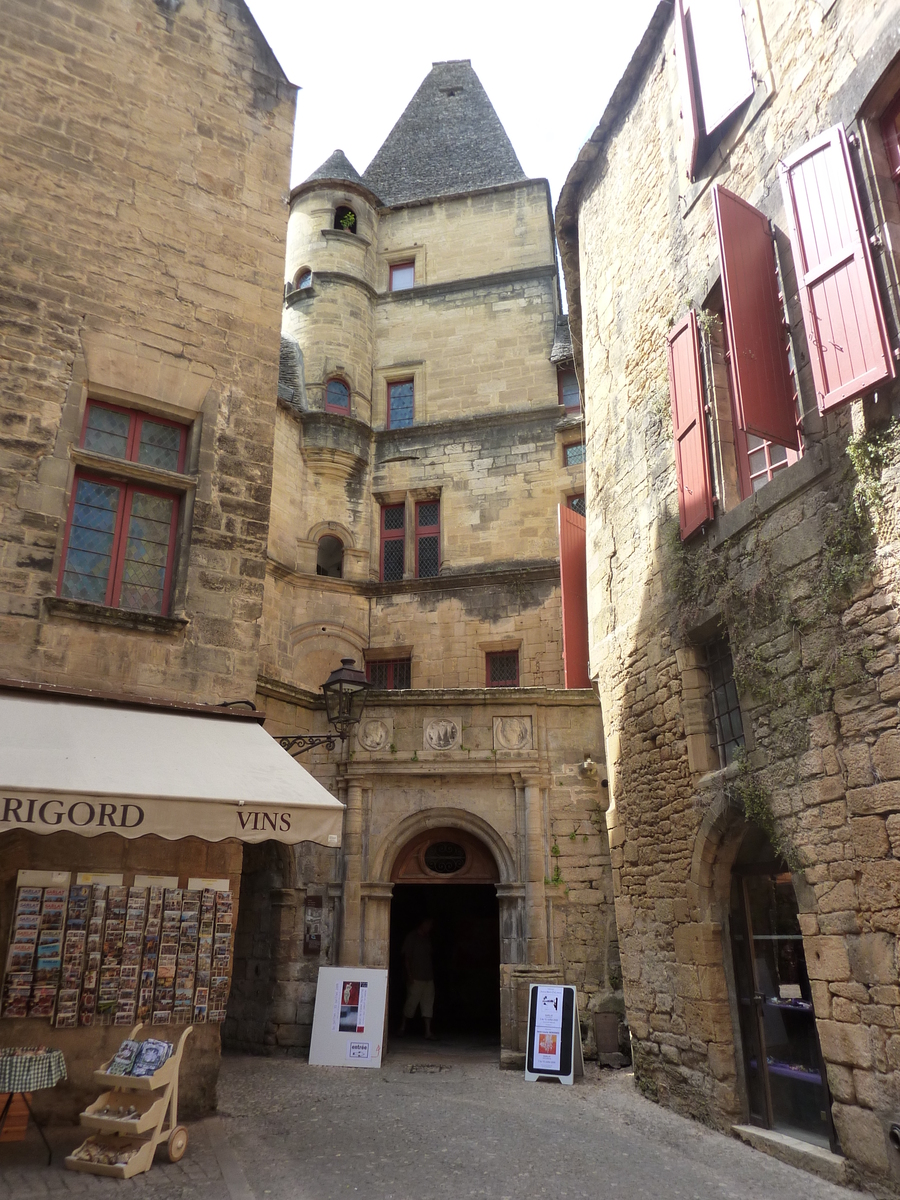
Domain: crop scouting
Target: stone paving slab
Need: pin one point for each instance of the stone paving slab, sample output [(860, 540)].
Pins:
[(431, 1125)]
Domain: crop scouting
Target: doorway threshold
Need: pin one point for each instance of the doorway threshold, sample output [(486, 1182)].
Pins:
[(795, 1152)]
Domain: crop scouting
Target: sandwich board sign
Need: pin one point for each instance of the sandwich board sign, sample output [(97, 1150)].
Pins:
[(554, 1034), (348, 1020)]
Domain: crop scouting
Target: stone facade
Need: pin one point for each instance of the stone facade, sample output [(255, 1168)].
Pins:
[(802, 577), (504, 767)]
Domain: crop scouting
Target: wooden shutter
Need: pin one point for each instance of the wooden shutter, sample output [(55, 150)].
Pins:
[(688, 97), (845, 327), (763, 390), (573, 581), (695, 496), (724, 79)]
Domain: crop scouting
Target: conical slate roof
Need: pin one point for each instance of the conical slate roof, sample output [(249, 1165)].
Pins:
[(449, 139), (336, 166)]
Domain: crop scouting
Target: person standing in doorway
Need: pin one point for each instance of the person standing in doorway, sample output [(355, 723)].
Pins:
[(419, 969)]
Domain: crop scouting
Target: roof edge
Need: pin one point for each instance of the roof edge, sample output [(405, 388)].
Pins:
[(245, 13), (570, 196), (348, 185), (483, 191)]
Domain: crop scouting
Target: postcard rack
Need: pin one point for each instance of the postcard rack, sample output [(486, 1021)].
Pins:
[(153, 1100)]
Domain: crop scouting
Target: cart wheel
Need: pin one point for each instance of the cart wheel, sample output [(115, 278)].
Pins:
[(177, 1143)]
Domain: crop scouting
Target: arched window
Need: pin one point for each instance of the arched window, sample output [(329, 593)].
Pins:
[(337, 397), (330, 558), (345, 218), (302, 279)]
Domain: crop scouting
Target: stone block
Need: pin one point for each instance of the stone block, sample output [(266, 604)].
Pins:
[(886, 755), (700, 944), (847, 1044), (873, 958), (840, 1083), (827, 958), (862, 1136), (870, 837)]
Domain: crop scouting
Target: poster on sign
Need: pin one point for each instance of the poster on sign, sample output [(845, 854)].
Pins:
[(553, 1049), (349, 1017)]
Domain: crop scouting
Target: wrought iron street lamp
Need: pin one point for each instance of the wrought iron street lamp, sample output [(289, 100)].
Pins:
[(345, 692)]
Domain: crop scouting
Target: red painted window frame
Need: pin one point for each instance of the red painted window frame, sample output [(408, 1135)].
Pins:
[(402, 266), (134, 433), (391, 535), (570, 408), (428, 531), (891, 135), (692, 469), (487, 668), (390, 387), (391, 664), (343, 410), (569, 446), (570, 502), (127, 488)]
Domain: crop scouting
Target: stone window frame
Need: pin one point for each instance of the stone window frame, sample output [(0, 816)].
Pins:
[(427, 531), (696, 705), (340, 410), (400, 265), (395, 534), (562, 374), (397, 373), (568, 446), (393, 666), (492, 656), (409, 499)]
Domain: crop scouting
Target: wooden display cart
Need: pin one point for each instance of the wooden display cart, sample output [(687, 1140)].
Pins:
[(155, 1100)]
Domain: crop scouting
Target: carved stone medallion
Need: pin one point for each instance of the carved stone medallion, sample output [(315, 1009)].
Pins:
[(441, 734), (513, 733), (375, 735)]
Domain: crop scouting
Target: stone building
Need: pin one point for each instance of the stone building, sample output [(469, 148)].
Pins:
[(428, 448), (730, 237), (143, 220)]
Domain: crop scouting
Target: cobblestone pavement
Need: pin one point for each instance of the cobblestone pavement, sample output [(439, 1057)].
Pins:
[(428, 1127)]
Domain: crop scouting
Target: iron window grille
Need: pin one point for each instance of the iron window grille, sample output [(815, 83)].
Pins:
[(502, 668), (728, 725), (428, 539), (393, 542), (390, 674)]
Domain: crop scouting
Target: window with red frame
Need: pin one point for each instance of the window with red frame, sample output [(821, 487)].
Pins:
[(569, 395), (120, 535), (337, 397), (577, 504), (403, 276), (573, 454), (502, 668), (393, 542), (390, 674), (428, 539), (400, 404), (890, 131)]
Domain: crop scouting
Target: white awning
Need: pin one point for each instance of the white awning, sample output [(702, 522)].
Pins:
[(90, 767)]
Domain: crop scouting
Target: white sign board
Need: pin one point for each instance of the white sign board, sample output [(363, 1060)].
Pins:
[(553, 1048), (348, 1022)]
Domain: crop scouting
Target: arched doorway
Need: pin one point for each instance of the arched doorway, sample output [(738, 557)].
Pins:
[(787, 1089), (450, 876)]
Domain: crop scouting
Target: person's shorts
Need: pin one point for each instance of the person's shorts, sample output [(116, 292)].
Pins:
[(419, 994)]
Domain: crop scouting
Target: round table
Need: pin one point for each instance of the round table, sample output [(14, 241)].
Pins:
[(25, 1069)]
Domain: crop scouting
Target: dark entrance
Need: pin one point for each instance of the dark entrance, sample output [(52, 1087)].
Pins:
[(785, 1073), (466, 941)]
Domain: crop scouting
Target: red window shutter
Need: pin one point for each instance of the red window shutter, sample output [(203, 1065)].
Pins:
[(695, 495), (763, 390), (688, 96), (848, 342), (573, 581)]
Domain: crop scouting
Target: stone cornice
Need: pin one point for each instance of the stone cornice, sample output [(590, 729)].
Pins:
[(431, 291)]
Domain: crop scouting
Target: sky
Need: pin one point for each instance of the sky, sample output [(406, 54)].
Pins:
[(548, 71)]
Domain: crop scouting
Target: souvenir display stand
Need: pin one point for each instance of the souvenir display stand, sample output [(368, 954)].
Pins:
[(152, 1104)]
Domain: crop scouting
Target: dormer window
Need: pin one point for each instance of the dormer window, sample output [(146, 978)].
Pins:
[(345, 219), (403, 276)]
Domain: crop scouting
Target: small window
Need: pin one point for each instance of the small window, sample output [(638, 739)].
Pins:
[(890, 131), (502, 668), (569, 395), (573, 454), (726, 709), (330, 557), (577, 504), (428, 539), (124, 433), (393, 542), (391, 674), (303, 279), (764, 459), (400, 404), (403, 276), (345, 218), (337, 397)]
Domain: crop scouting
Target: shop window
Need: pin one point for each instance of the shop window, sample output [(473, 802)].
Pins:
[(393, 542), (330, 557), (577, 504), (727, 723), (573, 454), (337, 397), (392, 674), (890, 131), (400, 404), (428, 539), (403, 276), (714, 68), (502, 668), (345, 218), (569, 395), (120, 533)]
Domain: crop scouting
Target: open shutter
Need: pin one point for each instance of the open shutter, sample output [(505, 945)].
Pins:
[(573, 581), (695, 495), (688, 97), (723, 65), (763, 391), (845, 327)]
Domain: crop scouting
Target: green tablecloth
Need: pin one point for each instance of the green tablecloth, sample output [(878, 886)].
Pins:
[(30, 1071)]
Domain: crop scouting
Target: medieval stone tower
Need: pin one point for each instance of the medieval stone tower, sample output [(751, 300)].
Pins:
[(429, 450)]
